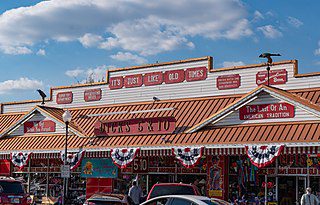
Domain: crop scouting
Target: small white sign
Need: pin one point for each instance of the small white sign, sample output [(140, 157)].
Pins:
[(65, 171)]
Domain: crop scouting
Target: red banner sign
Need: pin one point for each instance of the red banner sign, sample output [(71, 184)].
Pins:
[(131, 81), (39, 126), (276, 77), (116, 83), (228, 81), (266, 111), (136, 126), (155, 78), (92, 95), (64, 98), (194, 74), (174, 76)]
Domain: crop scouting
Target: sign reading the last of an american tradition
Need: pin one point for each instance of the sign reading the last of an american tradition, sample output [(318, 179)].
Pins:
[(136, 126), (39, 126), (266, 111), (276, 77)]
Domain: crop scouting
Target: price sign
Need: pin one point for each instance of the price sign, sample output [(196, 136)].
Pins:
[(140, 165), (65, 171)]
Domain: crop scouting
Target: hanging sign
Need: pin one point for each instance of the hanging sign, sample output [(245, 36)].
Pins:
[(276, 77), (20, 159), (136, 126), (266, 111), (39, 126), (195, 74), (116, 83), (155, 78), (225, 82), (131, 81), (74, 160), (261, 156), (64, 98), (92, 95), (98, 168), (189, 157), (123, 157)]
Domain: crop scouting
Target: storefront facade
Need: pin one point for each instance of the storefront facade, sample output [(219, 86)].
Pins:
[(180, 121)]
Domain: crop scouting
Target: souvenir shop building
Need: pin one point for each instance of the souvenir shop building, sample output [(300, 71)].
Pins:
[(178, 121)]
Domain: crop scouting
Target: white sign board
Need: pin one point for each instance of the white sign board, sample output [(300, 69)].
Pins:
[(65, 171)]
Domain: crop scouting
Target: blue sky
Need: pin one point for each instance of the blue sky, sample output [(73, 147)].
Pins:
[(61, 42)]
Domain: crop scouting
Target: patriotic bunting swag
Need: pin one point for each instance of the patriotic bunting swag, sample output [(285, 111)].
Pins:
[(73, 160), (123, 157), (262, 156), (20, 159), (189, 157)]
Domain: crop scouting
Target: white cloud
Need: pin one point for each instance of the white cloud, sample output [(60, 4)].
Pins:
[(294, 22), (120, 56), (120, 24), (15, 50), (317, 52), (83, 75), (90, 40), (41, 52), (232, 63), (20, 84), (257, 16), (270, 32)]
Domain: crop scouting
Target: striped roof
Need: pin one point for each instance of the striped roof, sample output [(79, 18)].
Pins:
[(7, 120), (188, 112)]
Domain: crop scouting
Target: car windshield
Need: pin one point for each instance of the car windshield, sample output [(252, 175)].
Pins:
[(170, 190), (9, 187)]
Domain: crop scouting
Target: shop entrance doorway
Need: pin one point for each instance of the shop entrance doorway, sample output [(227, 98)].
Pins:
[(290, 189)]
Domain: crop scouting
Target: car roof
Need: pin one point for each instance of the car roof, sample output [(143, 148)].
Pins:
[(107, 197), (195, 198), (172, 184)]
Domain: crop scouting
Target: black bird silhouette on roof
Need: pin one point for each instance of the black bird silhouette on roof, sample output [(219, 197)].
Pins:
[(43, 95), (268, 56)]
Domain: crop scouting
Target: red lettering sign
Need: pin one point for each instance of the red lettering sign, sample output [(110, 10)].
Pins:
[(131, 81), (155, 78), (194, 74), (266, 111), (136, 126), (276, 77), (228, 81), (64, 98), (92, 95), (39, 126), (116, 83), (174, 76)]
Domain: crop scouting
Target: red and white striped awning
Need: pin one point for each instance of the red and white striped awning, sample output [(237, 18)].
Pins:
[(233, 151)]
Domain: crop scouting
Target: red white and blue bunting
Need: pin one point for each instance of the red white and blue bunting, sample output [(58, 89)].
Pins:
[(123, 157), (261, 156), (20, 159), (74, 160), (189, 157)]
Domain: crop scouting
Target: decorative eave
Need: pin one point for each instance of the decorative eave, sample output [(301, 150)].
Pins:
[(275, 92)]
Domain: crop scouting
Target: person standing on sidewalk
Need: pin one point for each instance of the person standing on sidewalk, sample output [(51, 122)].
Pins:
[(308, 198), (135, 193)]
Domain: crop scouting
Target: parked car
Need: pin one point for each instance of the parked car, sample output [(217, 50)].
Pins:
[(12, 192), (107, 199), (172, 189), (184, 200)]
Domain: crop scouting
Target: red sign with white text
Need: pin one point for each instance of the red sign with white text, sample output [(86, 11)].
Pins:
[(116, 83), (174, 76), (39, 126), (155, 78), (194, 74), (64, 98), (92, 95), (225, 82), (131, 81), (276, 77), (266, 111), (136, 126)]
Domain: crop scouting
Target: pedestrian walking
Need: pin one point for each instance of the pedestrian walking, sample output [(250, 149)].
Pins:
[(308, 198), (135, 193)]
